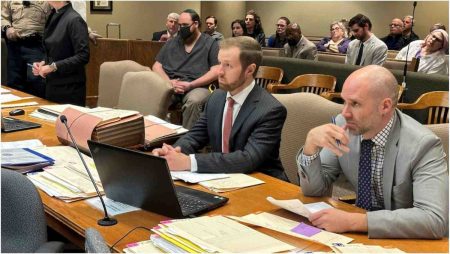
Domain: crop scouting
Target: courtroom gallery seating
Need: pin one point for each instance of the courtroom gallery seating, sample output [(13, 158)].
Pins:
[(110, 80), (146, 92), (308, 83), (441, 130), (268, 75), (24, 228), (435, 102)]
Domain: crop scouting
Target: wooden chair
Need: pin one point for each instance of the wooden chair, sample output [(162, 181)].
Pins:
[(309, 83), (391, 54), (267, 75), (394, 64), (334, 96), (437, 104)]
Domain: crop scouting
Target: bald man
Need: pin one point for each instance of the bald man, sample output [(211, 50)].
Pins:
[(394, 40), (397, 165)]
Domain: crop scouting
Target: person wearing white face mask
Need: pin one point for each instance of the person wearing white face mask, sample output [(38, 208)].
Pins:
[(431, 52), (189, 62), (337, 42)]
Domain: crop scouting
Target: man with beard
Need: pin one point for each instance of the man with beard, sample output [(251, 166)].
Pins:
[(366, 49), (242, 122), (298, 46), (396, 164), (211, 26), (189, 62)]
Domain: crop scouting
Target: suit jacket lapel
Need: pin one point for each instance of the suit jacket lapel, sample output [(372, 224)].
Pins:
[(390, 158), (245, 111)]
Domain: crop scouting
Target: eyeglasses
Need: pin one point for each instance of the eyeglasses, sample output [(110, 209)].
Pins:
[(436, 38), (334, 29), (249, 19), (396, 25)]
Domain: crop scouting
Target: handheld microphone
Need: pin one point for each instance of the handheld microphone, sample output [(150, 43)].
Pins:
[(407, 51), (106, 221)]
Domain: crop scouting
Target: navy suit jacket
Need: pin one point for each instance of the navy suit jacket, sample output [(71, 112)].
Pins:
[(254, 140)]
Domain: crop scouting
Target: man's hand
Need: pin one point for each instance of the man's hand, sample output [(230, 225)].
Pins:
[(12, 34), (93, 36), (326, 136), (164, 37), (338, 221), (36, 67), (181, 87), (45, 70), (176, 160)]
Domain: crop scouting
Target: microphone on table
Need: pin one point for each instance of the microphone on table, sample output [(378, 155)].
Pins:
[(106, 221)]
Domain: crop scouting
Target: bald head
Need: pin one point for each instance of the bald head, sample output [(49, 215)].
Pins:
[(380, 82)]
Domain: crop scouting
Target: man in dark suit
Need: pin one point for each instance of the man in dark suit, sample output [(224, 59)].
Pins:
[(171, 31), (241, 121)]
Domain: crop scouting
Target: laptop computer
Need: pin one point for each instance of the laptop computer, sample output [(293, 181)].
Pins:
[(144, 181), (10, 124)]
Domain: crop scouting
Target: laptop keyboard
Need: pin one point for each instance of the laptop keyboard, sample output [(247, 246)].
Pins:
[(10, 124), (190, 203)]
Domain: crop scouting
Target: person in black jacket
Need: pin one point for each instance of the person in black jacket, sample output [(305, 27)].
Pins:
[(66, 44), (171, 31)]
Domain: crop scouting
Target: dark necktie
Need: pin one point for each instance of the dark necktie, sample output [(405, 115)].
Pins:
[(364, 176), (361, 48), (228, 123)]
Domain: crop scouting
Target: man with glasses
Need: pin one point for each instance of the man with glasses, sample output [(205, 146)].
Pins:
[(278, 39), (189, 62), (366, 49), (394, 40)]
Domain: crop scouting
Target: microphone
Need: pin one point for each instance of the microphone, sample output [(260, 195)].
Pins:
[(106, 221), (407, 51)]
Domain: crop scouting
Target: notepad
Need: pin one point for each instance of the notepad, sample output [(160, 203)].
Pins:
[(233, 182)]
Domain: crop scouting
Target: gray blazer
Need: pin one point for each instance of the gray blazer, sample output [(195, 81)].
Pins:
[(304, 49), (374, 52), (415, 181), (254, 141)]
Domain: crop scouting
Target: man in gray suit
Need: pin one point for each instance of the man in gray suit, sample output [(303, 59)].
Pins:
[(242, 122), (397, 165), (366, 49), (298, 46)]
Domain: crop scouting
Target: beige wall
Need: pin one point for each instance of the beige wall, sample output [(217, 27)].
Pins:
[(139, 19)]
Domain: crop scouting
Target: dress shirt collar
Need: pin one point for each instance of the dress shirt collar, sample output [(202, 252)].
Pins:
[(381, 138), (242, 95), (371, 38)]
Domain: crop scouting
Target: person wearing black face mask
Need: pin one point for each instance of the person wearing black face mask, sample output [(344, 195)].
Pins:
[(298, 46), (189, 62)]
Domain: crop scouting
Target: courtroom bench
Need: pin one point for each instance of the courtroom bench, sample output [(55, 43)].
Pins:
[(417, 83)]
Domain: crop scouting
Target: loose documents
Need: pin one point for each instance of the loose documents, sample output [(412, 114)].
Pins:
[(29, 143), (296, 206), (113, 207), (191, 177), (142, 247), (23, 156), (233, 182)]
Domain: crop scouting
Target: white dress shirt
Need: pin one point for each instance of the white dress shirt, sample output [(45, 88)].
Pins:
[(239, 100)]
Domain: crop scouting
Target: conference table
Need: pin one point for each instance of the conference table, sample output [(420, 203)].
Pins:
[(72, 219)]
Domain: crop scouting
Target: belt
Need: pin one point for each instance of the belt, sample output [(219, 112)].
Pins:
[(32, 37)]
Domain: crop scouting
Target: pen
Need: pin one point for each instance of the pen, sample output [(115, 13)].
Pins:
[(333, 121)]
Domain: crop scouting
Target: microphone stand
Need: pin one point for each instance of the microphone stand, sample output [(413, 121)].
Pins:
[(106, 221), (407, 52)]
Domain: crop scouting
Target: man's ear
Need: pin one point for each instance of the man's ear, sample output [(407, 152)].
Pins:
[(251, 69)]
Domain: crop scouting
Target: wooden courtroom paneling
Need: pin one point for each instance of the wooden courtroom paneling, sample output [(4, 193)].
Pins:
[(144, 52), (106, 50)]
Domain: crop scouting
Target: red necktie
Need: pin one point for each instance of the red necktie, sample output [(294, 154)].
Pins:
[(228, 123)]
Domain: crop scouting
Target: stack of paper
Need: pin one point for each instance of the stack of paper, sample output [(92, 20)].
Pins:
[(142, 247), (191, 177), (122, 128), (67, 179), (361, 248), (233, 182), (7, 97), (293, 228), (4, 90), (158, 131), (213, 234)]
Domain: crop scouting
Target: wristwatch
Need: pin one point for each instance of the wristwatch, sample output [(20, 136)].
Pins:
[(53, 66)]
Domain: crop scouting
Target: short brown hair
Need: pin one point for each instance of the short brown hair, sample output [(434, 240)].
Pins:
[(251, 52)]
